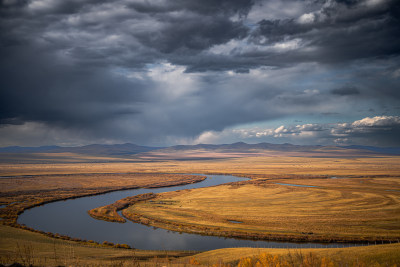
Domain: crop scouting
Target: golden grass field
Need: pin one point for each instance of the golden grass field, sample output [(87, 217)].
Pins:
[(22, 246), (355, 208), (25, 247), (350, 209), (277, 163), (380, 255), (19, 193), (110, 212)]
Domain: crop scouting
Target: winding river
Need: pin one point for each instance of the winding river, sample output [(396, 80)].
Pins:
[(69, 217)]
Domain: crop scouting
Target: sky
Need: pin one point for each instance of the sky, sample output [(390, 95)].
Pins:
[(167, 72)]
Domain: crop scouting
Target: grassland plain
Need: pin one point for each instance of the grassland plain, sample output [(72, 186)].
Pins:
[(349, 209), (278, 163), (35, 182), (20, 193)]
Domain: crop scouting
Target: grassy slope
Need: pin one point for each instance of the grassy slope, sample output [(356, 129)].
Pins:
[(48, 251), (45, 251), (389, 254)]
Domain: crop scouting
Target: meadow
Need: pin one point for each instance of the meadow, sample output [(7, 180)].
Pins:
[(316, 209), (356, 197)]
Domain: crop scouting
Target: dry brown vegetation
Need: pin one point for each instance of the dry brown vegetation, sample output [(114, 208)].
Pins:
[(347, 209), (51, 177), (109, 212), (380, 255), (275, 163), (25, 247), (20, 193)]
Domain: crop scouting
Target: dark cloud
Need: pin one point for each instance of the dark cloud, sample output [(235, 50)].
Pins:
[(347, 90), (188, 36), (158, 72), (340, 31), (37, 89), (206, 7)]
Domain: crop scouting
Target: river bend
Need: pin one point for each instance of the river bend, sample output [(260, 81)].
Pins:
[(70, 217)]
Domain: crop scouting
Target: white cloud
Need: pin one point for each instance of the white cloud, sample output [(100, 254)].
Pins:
[(271, 10), (243, 47), (288, 45), (207, 137), (371, 129), (377, 121), (39, 5), (173, 82), (306, 18), (341, 141), (375, 2)]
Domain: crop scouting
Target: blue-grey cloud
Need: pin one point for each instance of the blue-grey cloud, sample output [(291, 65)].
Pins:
[(346, 90), (158, 72), (378, 130)]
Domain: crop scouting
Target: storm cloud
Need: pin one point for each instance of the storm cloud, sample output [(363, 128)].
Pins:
[(166, 72), (347, 90)]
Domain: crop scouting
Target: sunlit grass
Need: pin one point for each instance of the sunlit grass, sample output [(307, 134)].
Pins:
[(361, 209), (366, 204)]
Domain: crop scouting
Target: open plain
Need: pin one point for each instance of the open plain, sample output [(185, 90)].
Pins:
[(342, 195), (328, 209)]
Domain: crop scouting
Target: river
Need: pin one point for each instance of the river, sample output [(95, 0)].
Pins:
[(70, 217)]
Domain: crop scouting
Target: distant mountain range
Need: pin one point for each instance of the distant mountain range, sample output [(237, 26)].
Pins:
[(244, 147), (96, 149), (130, 149)]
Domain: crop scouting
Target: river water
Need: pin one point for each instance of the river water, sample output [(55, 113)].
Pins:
[(70, 217)]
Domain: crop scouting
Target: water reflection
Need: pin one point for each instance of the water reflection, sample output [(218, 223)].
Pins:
[(70, 218)]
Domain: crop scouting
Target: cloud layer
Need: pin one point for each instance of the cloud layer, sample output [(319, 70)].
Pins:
[(379, 130), (164, 72)]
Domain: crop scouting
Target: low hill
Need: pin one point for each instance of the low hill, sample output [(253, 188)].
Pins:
[(199, 151), (244, 147), (95, 149)]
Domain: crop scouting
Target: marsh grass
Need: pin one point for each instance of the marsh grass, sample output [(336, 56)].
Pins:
[(110, 212)]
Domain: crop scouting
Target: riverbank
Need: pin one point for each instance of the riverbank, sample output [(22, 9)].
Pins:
[(354, 210), (19, 194), (25, 247), (71, 218), (110, 212)]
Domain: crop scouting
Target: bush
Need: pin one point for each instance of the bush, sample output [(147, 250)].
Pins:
[(125, 246), (108, 244)]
